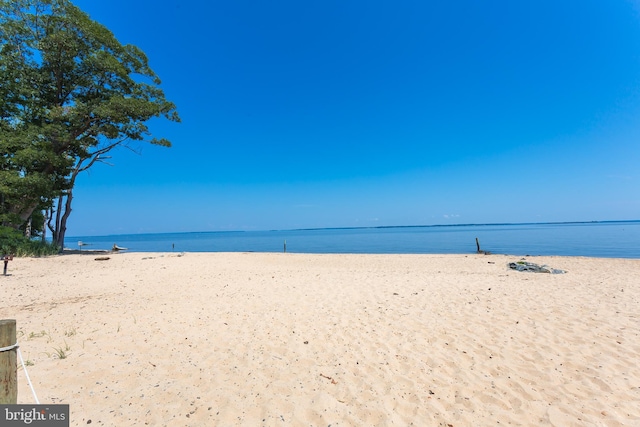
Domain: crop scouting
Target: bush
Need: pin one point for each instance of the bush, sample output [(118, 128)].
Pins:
[(13, 242), (10, 240)]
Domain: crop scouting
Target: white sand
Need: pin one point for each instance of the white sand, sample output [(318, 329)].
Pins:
[(316, 340)]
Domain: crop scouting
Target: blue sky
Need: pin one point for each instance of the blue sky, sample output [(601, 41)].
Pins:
[(300, 114)]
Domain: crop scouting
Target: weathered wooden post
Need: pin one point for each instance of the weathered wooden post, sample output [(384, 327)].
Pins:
[(8, 363), (6, 259), (478, 245)]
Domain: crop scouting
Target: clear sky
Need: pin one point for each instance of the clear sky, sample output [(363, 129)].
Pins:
[(299, 114)]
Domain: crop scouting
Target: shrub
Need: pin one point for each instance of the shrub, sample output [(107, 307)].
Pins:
[(13, 242)]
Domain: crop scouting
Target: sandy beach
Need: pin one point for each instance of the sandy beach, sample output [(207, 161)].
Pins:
[(258, 339)]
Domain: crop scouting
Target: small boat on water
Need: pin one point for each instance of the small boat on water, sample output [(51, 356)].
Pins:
[(117, 248)]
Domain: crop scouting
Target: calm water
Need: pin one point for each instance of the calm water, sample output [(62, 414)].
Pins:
[(604, 239)]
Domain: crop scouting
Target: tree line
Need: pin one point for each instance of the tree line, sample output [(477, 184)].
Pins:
[(70, 93)]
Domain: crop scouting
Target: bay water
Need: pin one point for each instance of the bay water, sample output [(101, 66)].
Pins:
[(609, 239)]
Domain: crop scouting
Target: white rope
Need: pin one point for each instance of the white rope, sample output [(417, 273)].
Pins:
[(8, 348), (27, 375), (16, 346)]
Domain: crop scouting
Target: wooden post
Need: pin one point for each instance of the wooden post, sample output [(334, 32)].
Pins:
[(6, 259), (8, 363), (478, 245)]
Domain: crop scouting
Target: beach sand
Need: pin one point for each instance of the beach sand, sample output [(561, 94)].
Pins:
[(255, 339)]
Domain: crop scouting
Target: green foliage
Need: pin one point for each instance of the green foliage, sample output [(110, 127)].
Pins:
[(70, 93), (10, 240), (36, 248), (13, 242)]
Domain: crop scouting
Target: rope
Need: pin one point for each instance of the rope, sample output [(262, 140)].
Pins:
[(27, 375), (8, 348), (16, 346)]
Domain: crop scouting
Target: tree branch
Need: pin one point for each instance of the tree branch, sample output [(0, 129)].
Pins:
[(94, 157)]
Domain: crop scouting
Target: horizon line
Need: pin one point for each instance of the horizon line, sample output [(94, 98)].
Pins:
[(371, 227)]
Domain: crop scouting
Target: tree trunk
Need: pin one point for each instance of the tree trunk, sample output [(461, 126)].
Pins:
[(56, 228), (27, 229), (62, 228), (23, 213), (62, 217), (44, 226), (49, 225), (26, 213)]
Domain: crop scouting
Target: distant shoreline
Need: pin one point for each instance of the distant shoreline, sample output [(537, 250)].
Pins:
[(465, 225), (501, 224)]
